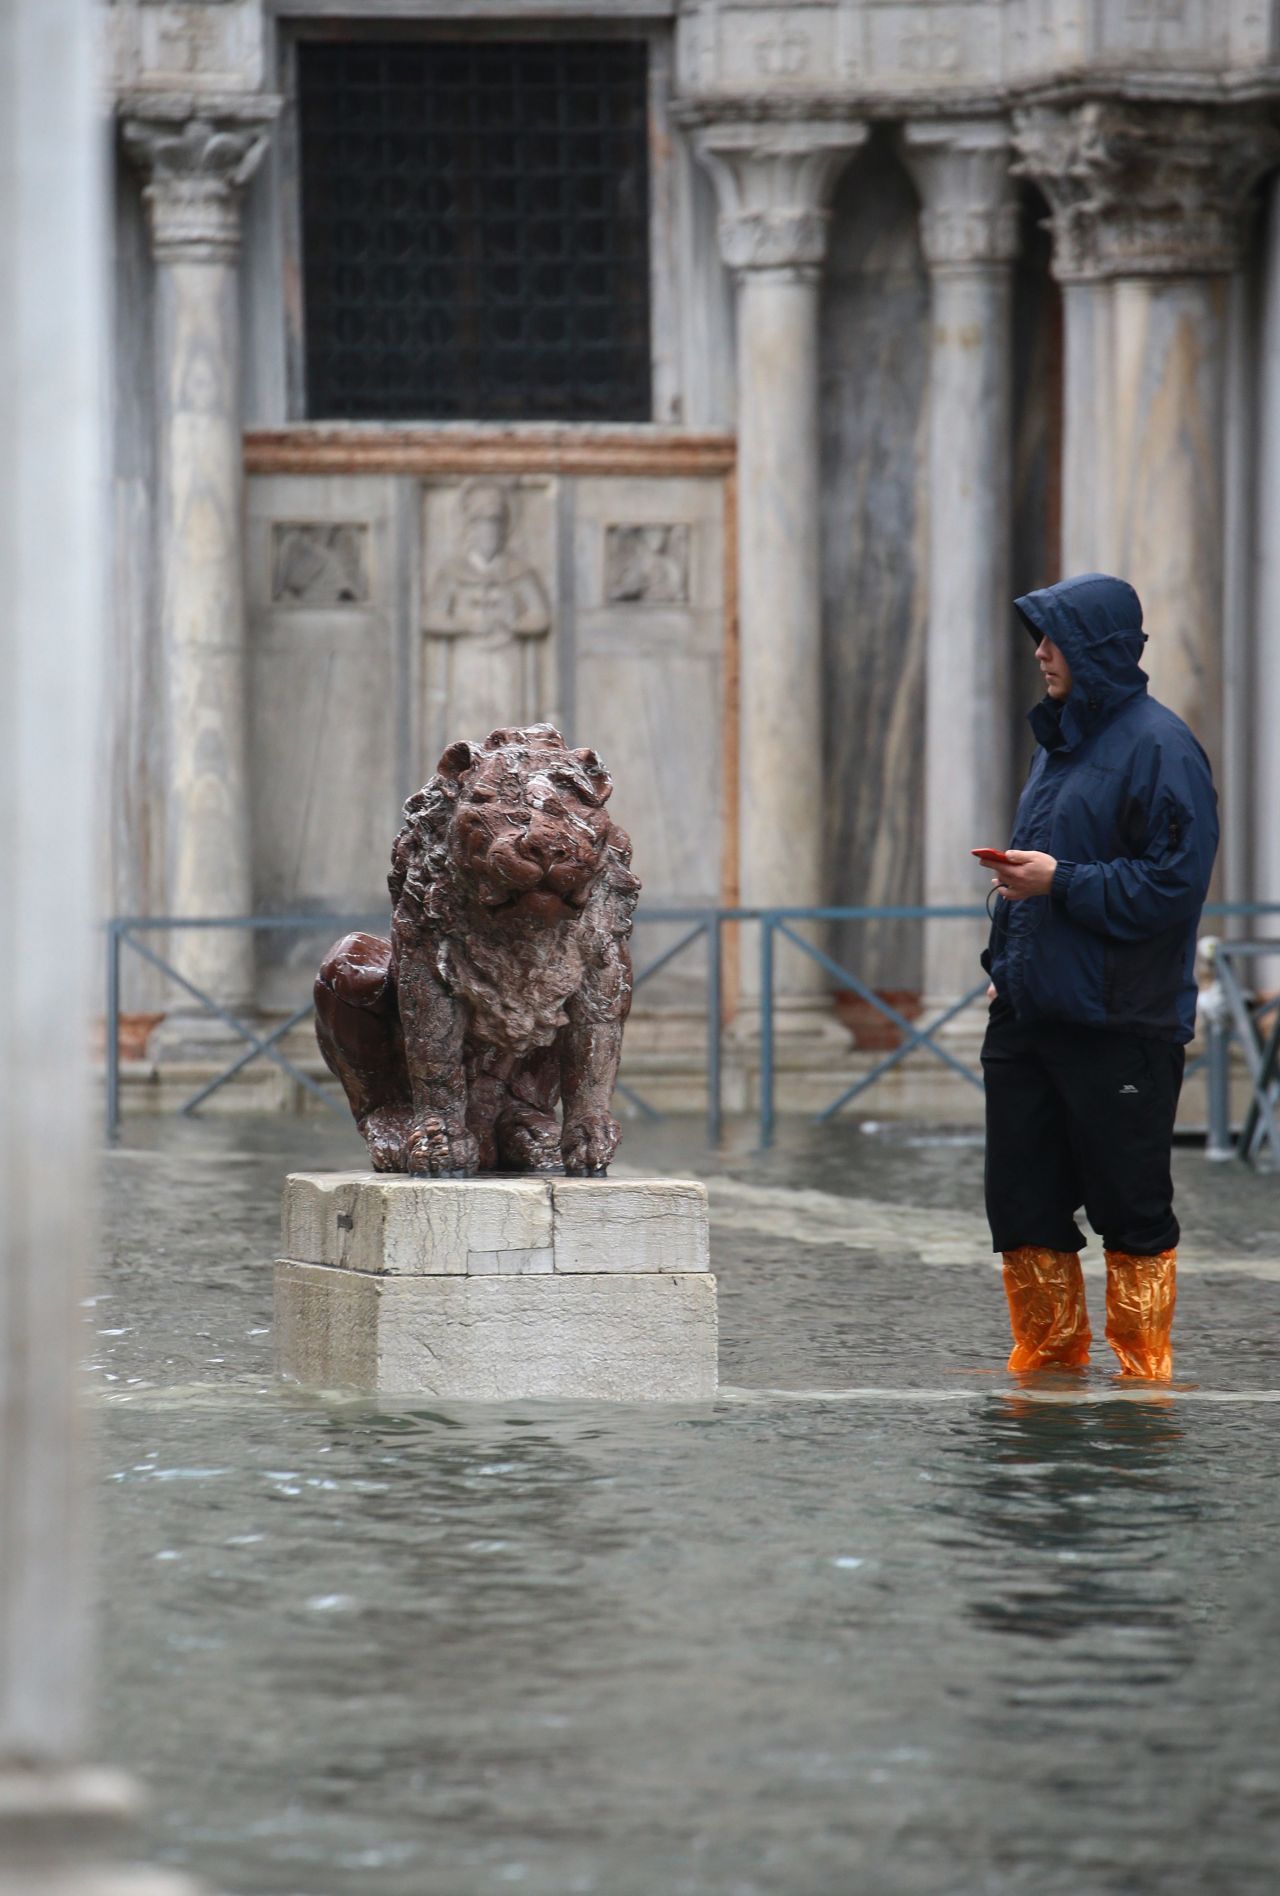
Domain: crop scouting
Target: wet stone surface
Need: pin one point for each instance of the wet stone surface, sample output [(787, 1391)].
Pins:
[(946, 1633)]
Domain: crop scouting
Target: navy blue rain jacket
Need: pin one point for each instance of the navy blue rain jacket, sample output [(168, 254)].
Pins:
[(1122, 794)]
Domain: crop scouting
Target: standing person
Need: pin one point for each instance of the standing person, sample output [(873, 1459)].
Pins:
[(1093, 994)]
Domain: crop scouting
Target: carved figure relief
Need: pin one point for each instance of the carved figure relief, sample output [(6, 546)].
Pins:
[(488, 612), (647, 565), (506, 980), (318, 563)]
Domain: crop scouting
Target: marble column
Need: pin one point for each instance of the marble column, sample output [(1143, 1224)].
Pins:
[(1149, 210), (773, 183), (1088, 520), (969, 236), (59, 1814), (195, 161)]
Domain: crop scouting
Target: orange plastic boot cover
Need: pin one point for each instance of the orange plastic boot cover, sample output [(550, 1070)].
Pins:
[(1046, 1308), (1141, 1294)]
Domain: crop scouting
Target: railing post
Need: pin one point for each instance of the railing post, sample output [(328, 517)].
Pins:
[(766, 1028), (112, 1029), (1218, 1081), (715, 1029)]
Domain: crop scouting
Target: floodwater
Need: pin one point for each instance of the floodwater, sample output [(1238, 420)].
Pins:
[(926, 1630)]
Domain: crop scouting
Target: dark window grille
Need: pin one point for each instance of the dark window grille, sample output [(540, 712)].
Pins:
[(475, 229)]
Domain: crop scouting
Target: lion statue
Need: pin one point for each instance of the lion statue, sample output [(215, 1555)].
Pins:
[(507, 978)]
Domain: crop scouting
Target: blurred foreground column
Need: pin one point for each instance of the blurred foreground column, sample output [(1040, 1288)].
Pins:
[(196, 158), (58, 1815), (969, 234), (1266, 538), (774, 184), (1149, 206)]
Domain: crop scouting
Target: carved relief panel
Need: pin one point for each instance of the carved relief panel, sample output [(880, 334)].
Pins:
[(913, 45), (393, 613), (327, 701), (488, 606), (319, 563), (736, 48), (647, 565), (648, 582)]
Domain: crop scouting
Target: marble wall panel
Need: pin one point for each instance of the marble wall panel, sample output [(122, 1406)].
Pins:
[(328, 734), (780, 49), (650, 682), (489, 607), (874, 368), (358, 584), (185, 45), (912, 45), (1165, 30)]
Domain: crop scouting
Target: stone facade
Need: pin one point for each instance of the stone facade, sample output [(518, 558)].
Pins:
[(881, 394)]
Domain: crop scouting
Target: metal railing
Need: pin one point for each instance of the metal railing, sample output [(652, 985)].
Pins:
[(1227, 1018), (784, 922), (124, 932), (1230, 1011)]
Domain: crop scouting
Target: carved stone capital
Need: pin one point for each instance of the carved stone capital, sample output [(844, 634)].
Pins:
[(1145, 190), (774, 184), (969, 211), (196, 159)]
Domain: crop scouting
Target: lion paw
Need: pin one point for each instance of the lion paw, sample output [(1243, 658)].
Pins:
[(385, 1130), (438, 1150), (588, 1144)]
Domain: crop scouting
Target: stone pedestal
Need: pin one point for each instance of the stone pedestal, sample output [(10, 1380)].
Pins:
[(496, 1288)]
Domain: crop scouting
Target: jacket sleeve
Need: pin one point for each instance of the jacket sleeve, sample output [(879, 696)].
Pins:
[(1135, 897)]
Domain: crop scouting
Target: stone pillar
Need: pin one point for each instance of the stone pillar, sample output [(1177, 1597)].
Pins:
[(969, 237), (1088, 521), (1149, 207), (774, 183), (196, 161), (58, 1814)]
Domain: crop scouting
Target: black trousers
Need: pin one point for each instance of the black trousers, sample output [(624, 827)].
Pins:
[(1079, 1116)]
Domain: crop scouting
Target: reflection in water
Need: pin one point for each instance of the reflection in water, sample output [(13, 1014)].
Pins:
[(1075, 1509)]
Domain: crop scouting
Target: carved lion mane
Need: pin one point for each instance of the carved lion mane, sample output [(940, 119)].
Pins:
[(507, 977)]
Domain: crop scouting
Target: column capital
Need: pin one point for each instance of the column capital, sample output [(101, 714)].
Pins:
[(969, 210), (1145, 189), (196, 156), (774, 182)]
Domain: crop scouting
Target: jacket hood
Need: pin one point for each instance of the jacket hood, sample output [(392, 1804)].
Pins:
[(1096, 623)]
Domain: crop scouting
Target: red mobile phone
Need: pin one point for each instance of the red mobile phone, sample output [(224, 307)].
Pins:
[(989, 855)]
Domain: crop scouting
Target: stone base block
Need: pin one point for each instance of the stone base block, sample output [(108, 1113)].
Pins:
[(494, 1288), (615, 1337), (389, 1223)]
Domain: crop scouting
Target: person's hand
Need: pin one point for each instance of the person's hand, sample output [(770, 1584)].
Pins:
[(1027, 872)]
